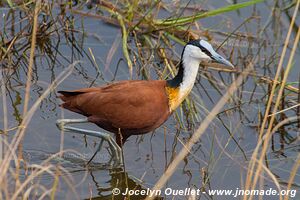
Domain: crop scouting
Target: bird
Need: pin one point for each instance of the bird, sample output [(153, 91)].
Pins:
[(134, 107)]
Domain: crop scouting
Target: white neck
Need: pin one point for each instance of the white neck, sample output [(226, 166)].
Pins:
[(190, 66)]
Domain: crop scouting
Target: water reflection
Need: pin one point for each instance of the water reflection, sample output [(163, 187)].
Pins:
[(119, 181)]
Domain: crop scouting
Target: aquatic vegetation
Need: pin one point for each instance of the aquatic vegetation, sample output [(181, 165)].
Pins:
[(238, 129)]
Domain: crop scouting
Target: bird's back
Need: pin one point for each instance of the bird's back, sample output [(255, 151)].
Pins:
[(133, 107)]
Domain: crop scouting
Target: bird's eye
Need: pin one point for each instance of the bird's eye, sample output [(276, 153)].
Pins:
[(204, 50)]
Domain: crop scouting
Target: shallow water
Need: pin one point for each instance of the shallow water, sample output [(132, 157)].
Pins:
[(217, 161)]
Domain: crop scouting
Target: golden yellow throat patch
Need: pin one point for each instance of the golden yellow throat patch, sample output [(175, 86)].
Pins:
[(173, 95)]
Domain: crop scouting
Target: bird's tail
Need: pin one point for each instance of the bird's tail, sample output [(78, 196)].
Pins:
[(69, 100), (66, 95)]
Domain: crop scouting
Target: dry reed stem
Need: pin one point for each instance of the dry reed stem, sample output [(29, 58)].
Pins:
[(268, 133), (31, 58), (55, 184), (283, 122), (3, 91), (278, 100), (292, 175), (3, 136), (279, 70), (38, 170), (268, 107), (20, 132), (262, 78), (42, 169), (273, 177), (28, 81), (284, 110), (199, 132)]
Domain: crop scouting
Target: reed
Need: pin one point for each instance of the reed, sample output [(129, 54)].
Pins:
[(265, 136), (147, 44)]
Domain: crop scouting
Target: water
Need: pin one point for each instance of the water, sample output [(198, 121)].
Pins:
[(217, 161)]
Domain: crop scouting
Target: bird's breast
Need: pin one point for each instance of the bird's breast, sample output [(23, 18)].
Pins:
[(173, 97)]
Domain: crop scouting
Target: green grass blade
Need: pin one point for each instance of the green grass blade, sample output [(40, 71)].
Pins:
[(10, 3), (189, 19), (124, 43)]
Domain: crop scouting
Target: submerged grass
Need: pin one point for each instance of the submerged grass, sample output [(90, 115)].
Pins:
[(145, 39)]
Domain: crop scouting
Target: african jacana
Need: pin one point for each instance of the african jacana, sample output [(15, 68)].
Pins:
[(136, 107)]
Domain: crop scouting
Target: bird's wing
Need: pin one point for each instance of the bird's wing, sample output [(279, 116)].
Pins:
[(125, 105)]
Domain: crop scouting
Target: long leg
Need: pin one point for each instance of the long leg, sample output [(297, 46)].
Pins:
[(114, 147)]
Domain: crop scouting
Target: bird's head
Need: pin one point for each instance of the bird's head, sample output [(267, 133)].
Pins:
[(202, 50)]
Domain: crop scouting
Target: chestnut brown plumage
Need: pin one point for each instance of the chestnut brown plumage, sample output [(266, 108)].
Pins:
[(131, 107), (136, 107)]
